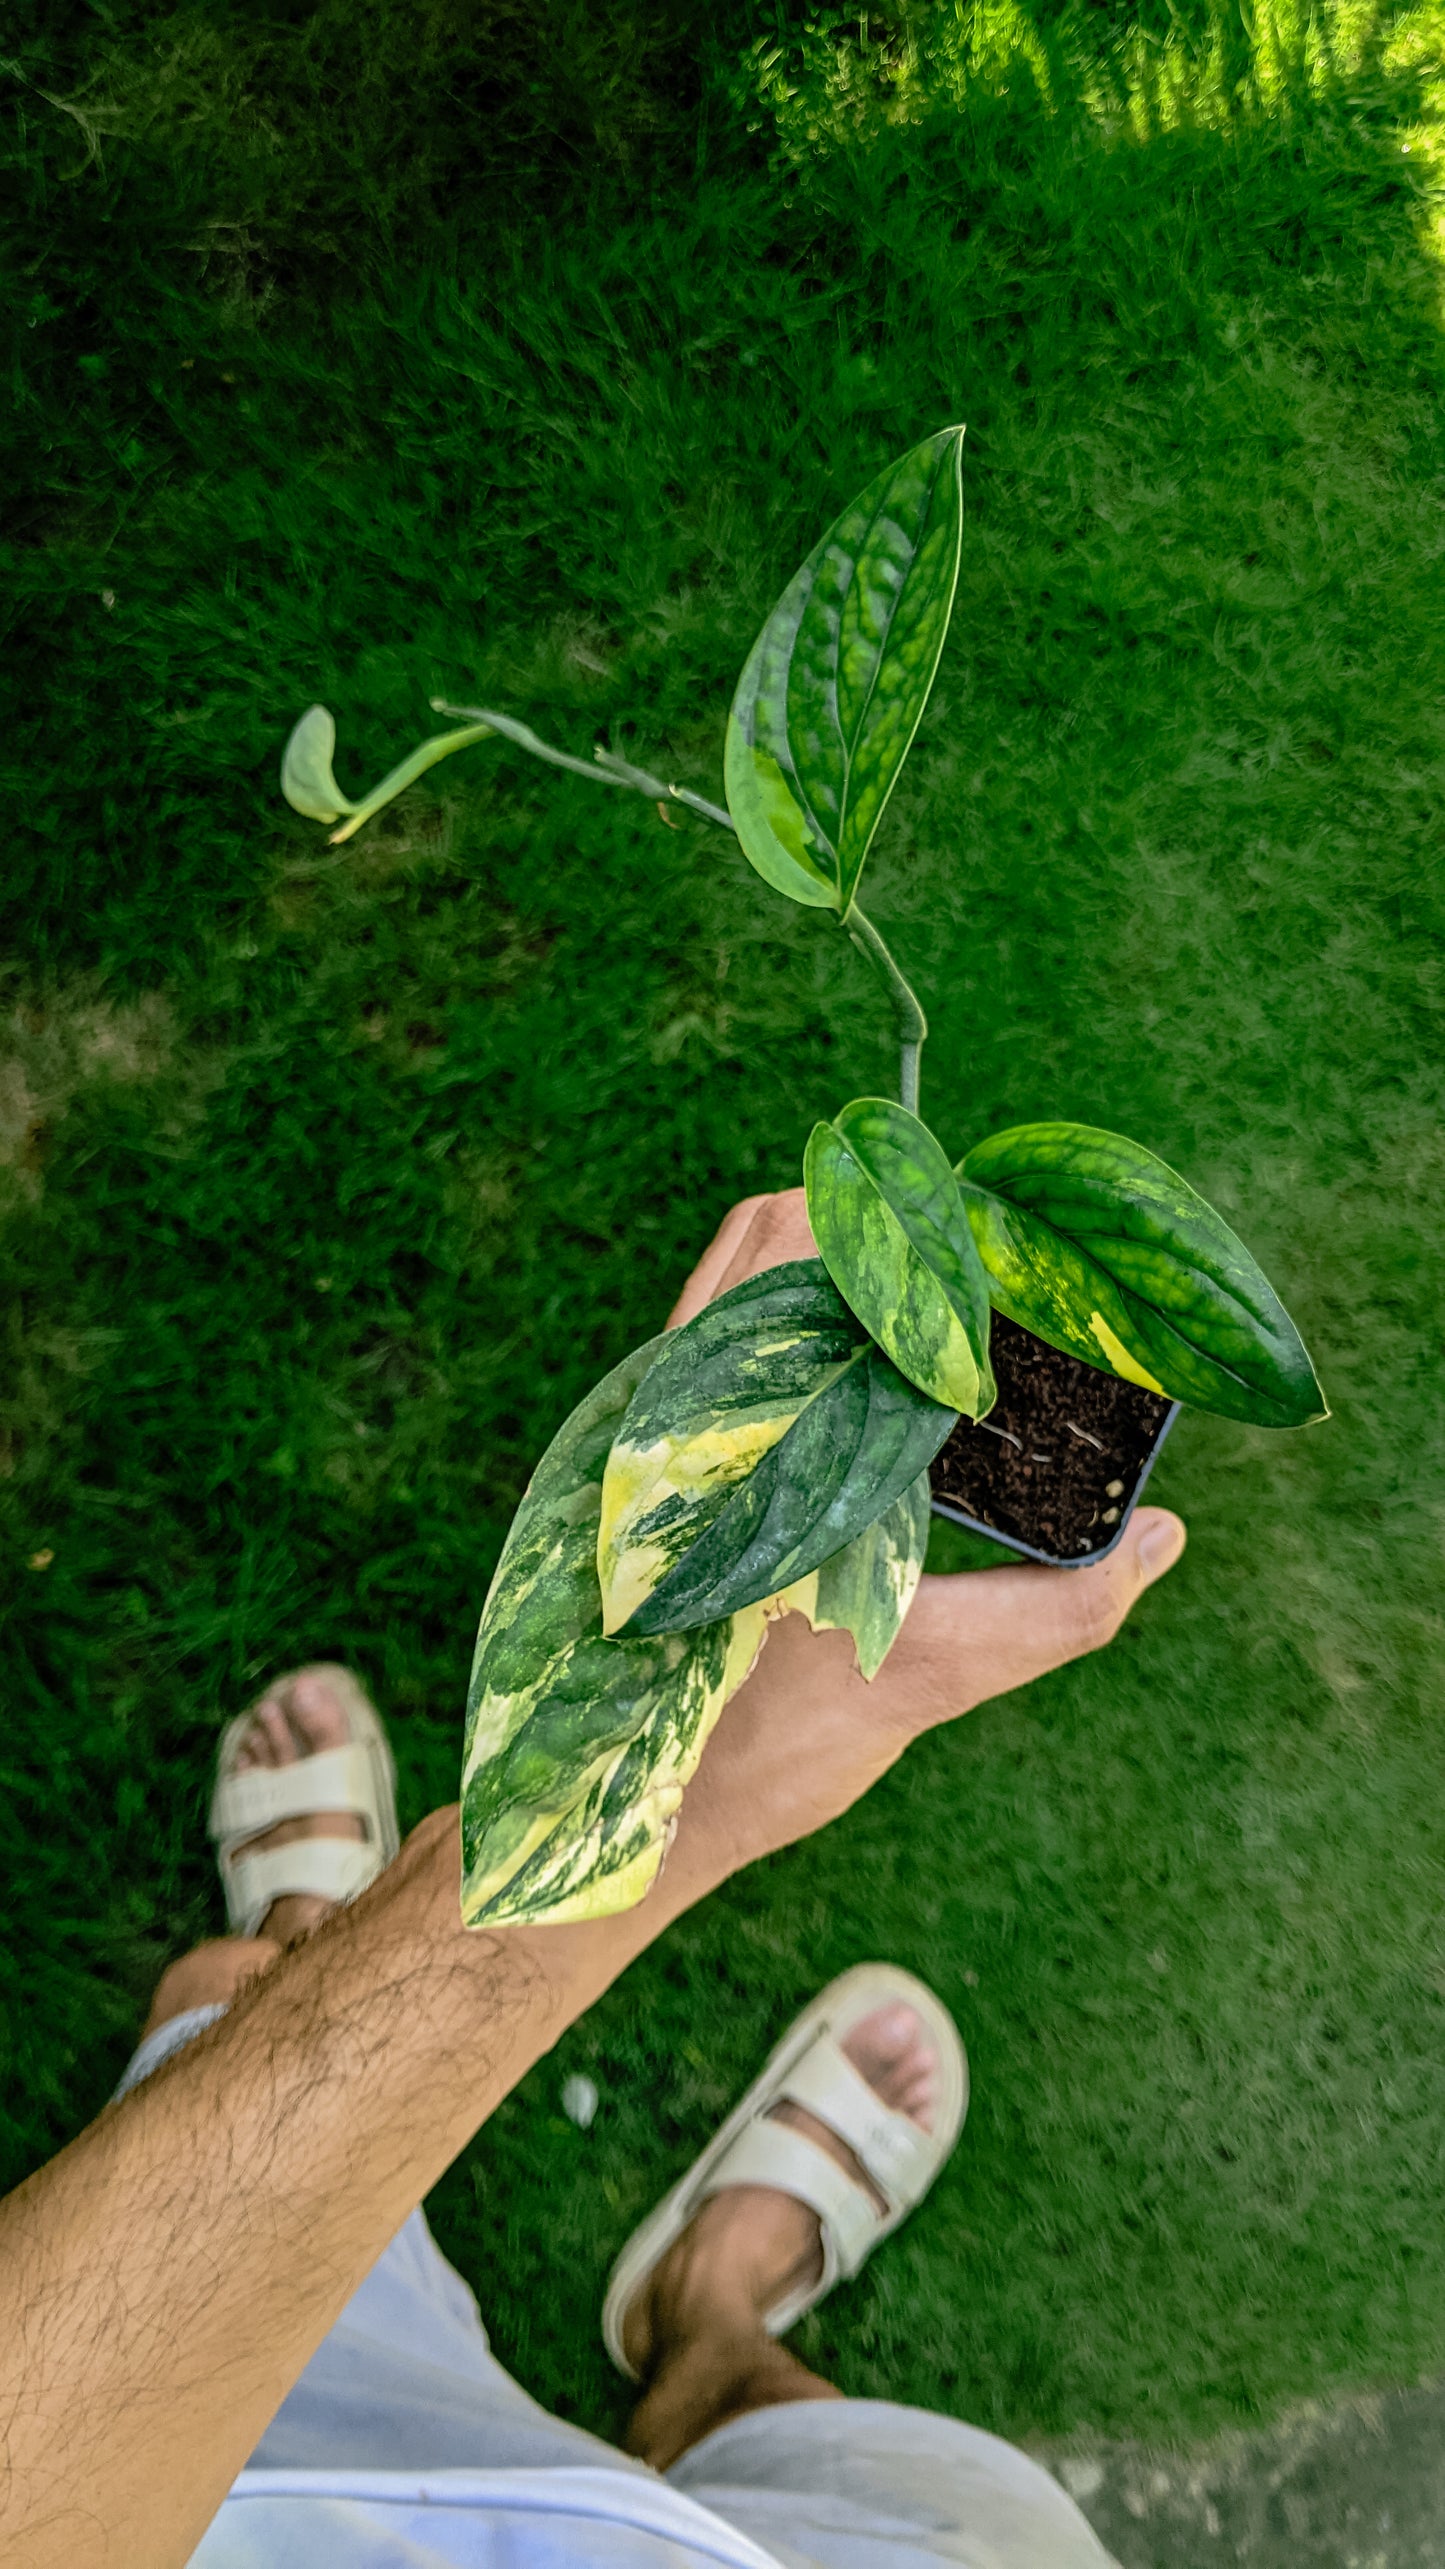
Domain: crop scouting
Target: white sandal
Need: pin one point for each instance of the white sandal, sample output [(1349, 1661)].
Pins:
[(361, 1778), (810, 2067)]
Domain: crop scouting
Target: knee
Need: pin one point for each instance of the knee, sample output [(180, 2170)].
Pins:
[(209, 1976)]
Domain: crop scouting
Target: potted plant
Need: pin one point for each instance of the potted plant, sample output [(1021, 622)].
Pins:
[(1005, 1336)]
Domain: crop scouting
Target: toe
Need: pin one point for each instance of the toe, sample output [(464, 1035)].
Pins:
[(888, 2038), (918, 2100), (280, 1738), (895, 2028), (315, 1711), (894, 2051), (299, 1717), (257, 1745)]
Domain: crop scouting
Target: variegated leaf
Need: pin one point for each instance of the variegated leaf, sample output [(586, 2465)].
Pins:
[(834, 688), (603, 1854), (578, 1747), (769, 1431), (890, 1224), (1101, 1249), (868, 1588)]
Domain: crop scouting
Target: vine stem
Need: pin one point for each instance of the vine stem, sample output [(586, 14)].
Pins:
[(907, 1009), (606, 768)]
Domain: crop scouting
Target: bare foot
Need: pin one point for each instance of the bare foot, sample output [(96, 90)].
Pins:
[(297, 1717), (695, 2331)]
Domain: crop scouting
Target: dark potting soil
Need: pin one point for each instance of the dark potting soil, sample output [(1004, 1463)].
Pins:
[(1059, 1456)]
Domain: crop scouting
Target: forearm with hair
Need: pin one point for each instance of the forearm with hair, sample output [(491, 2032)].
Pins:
[(167, 2278)]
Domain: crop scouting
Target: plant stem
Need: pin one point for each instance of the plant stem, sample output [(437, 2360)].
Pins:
[(606, 768), (912, 1023)]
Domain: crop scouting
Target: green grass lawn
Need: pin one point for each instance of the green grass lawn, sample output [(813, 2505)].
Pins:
[(349, 361)]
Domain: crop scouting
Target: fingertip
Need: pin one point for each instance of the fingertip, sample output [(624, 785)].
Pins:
[(1159, 1539), (702, 1284)]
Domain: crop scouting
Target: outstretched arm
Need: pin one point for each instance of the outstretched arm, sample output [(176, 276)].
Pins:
[(165, 2280)]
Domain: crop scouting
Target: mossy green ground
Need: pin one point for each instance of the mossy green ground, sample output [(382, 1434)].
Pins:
[(373, 354)]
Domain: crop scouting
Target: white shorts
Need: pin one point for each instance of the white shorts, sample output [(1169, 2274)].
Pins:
[(410, 2442)]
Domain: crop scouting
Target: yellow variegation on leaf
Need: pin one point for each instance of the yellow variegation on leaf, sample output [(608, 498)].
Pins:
[(890, 1224), (578, 1747), (1102, 1249), (603, 1852), (770, 1431), (868, 1588)]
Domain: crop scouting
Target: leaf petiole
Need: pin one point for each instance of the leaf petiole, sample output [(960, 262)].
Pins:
[(606, 768), (912, 1023), (406, 774)]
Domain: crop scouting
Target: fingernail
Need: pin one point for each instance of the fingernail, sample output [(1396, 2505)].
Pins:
[(1159, 1546)]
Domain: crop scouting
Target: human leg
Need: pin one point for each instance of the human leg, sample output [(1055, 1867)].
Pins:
[(405, 2379), (300, 1716), (696, 2332), (865, 2484), (738, 2423)]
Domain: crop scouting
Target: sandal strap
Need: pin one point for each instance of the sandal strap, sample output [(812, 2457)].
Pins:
[(326, 1868), (897, 2153), (335, 1779), (773, 2154)]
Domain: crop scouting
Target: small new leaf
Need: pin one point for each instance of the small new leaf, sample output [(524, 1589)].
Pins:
[(306, 778), (889, 1219), (868, 1589), (1104, 1251), (768, 1433), (577, 1747), (835, 686), (310, 787)]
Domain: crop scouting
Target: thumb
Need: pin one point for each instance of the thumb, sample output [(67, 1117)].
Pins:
[(987, 1631)]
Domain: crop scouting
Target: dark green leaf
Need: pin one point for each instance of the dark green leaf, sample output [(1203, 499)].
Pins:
[(1099, 1248), (578, 1748), (868, 1588), (767, 1434), (836, 683), (892, 1231)]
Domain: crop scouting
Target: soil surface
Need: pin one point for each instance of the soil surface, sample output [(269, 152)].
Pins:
[(1059, 1457)]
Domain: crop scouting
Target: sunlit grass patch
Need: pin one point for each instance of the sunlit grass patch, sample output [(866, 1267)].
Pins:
[(844, 78)]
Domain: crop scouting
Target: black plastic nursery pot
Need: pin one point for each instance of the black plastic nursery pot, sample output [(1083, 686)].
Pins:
[(1056, 1468)]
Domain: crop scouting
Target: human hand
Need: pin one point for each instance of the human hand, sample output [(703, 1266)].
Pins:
[(763, 1231), (806, 1736)]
